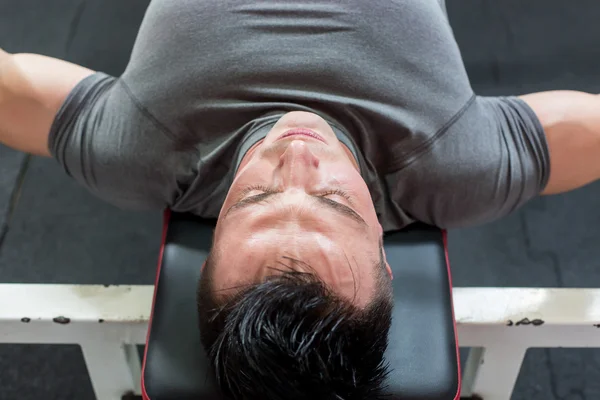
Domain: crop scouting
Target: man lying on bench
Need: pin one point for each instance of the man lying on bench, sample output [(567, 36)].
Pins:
[(308, 129)]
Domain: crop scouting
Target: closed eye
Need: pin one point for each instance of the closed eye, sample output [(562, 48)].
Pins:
[(266, 190), (269, 194)]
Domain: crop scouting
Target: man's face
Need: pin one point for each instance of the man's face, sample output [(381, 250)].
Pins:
[(298, 194)]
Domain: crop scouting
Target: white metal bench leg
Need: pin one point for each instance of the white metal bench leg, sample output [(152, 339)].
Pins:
[(471, 367), (493, 371), (135, 366), (114, 369)]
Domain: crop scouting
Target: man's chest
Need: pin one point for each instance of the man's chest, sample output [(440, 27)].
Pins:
[(208, 69)]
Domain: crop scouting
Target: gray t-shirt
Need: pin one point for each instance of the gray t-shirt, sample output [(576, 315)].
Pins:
[(207, 79)]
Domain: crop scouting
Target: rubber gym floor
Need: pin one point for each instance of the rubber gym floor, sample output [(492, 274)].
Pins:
[(59, 233)]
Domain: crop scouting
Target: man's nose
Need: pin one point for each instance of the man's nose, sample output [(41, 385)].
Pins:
[(298, 165)]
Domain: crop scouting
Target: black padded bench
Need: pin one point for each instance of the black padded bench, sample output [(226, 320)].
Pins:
[(423, 349)]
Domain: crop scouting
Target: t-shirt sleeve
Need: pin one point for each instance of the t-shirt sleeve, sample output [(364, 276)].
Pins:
[(492, 159), (107, 142)]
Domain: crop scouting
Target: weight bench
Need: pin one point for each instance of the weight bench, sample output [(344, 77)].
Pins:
[(422, 351)]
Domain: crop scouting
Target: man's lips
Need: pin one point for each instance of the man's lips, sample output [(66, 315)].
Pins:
[(302, 132)]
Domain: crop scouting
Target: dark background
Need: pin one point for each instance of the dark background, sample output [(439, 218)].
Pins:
[(61, 234)]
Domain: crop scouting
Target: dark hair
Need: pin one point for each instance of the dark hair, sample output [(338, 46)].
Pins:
[(291, 337)]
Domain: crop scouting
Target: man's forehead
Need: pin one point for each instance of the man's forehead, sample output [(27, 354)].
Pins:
[(289, 239), (303, 230), (344, 265)]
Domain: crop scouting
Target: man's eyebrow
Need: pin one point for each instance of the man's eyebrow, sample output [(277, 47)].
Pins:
[(248, 201), (334, 206)]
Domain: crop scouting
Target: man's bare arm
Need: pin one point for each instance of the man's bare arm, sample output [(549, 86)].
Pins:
[(571, 121), (32, 89)]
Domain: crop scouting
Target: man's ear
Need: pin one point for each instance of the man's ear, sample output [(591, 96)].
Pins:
[(387, 265), (203, 265)]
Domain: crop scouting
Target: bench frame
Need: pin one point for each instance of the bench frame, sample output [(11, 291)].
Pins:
[(108, 322)]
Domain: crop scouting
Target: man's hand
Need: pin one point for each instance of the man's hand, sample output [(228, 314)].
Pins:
[(32, 89)]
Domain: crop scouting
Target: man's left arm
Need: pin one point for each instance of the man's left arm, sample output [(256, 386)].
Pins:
[(571, 122), (92, 125), (32, 89)]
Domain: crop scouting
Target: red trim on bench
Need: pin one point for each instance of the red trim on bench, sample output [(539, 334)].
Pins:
[(166, 218), (458, 389)]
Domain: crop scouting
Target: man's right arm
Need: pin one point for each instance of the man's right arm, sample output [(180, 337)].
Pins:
[(571, 124), (32, 89), (489, 162)]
